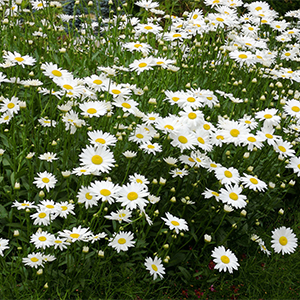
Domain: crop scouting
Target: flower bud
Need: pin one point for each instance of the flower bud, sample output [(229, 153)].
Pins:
[(207, 238)]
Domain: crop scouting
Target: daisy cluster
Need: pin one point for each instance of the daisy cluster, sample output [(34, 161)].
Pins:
[(106, 128)]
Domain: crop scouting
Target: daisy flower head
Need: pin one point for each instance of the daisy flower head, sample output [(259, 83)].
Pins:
[(210, 193), (47, 123), (284, 148), (172, 161), (141, 65), (93, 109), (122, 241), (100, 138), (133, 195), (17, 58), (232, 132), (183, 139), (85, 196), (155, 267), (41, 217), (42, 239), (3, 245), (33, 260), (179, 172), (97, 159), (147, 4), (116, 90), (284, 240), (129, 154), (23, 205), (97, 83), (53, 71), (292, 108), (224, 259), (138, 178), (268, 116), (294, 164), (10, 106), (65, 208), (227, 175), (253, 183), (138, 47), (243, 57), (175, 223), (104, 191), (82, 171), (151, 148), (127, 105), (60, 243), (45, 180), (76, 234), (231, 195)]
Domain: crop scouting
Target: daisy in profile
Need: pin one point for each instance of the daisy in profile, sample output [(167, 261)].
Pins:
[(138, 178), (155, 267), (147, 4), (137, 47), (65, 208), (23, 205), (151, 148), (122, 241), (17, 58), (231, 195), (133, 195), (60, 243), (93, 109), (33, 260), (175, 223), (253, 183), (42, 239), (224, 259), (122, 215), (116, 90), (179, 172), (45, 180), (97, 83), (76, 234), (104, 191), (284, 240), (3, 245), (47, 123), (210, 193), (97, 159), (127, 105), (295, 165), (48, 156), (82, 171)]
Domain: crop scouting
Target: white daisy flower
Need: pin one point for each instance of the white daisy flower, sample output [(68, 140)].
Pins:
[(122, 241), (155, 267), (175, 223), (224, 259), (45, 180), (284, 240), (34, 260)]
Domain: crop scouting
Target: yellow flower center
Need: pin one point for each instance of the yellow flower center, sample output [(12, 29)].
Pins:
[(191, 99), (169, 127), (220, 137), (228, 174), (152, 118), (42, 238), (97, 81), (57, 242), (295, 109), (251, 139), (209, 98), (139, 181), (142, 65), (139, 136), (225, 259), (45, 180), (298, 166), (154, 267), (10, 105), (176, 35), (50, 206), (91, 111), (220, 19), (63, 208), (19, 59), (281, 148), (243, 56), (175, 223), (105, 192), (148, 27), (74, 235), (191, 160), (126, 105), (42, 215), (253, 180), (88, 196), (40, 5), (175, 99), (150, 146), (233, 196), (122, 215), (68, 87), (258, 8), (269, 136), (283, 241), (182, 139), (97, 160), (192, 115), (100, 140), (138, 45), (116, 92), (121, 241), (287, 54), (268, 116), (215, 194), (132, 196), (201, 140), (56, 73), (34, 259), (234, 132), (213, 165), (195, 17), (206, 126)]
